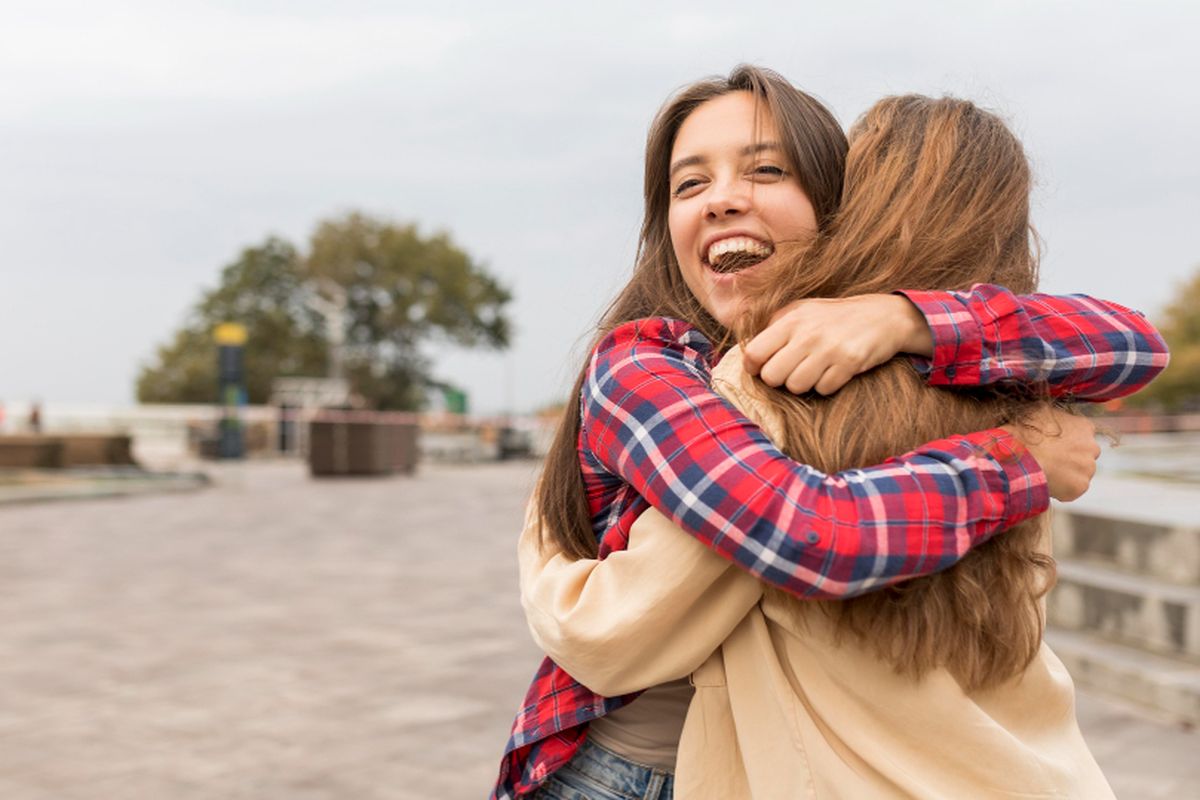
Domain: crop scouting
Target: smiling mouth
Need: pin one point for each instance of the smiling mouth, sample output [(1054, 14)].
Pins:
[(736, 254)]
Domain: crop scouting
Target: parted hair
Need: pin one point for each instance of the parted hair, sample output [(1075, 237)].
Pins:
[(936, 197), (815, 146)]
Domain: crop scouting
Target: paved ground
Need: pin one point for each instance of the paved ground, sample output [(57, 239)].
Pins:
[(281, 639)]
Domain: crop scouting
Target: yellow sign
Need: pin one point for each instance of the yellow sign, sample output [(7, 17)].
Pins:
[(230, 333)]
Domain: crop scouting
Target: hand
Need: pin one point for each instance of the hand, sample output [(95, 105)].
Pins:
[(1065, 447), (820, 344)]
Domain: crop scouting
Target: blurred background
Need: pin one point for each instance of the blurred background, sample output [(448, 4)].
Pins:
[(252, 245)]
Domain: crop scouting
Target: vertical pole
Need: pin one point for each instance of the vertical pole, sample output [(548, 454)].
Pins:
[(231, 392)]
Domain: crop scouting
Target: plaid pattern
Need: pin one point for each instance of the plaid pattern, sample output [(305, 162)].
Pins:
[(655, 433), (1083, 348)]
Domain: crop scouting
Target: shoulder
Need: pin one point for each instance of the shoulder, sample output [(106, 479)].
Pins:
[(650, 335), (643, 361)]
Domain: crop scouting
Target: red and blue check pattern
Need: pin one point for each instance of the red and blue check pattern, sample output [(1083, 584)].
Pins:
[(654, 432), (1080, 347)]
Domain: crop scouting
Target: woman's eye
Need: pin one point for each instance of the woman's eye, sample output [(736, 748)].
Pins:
[(686, 186), (770, 170)]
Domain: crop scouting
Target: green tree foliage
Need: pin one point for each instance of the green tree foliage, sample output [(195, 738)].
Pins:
[(401, 290), (265, 291), (1179, 384)]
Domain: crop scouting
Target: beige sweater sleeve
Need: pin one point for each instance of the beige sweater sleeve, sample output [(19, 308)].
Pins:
[(643, 616)]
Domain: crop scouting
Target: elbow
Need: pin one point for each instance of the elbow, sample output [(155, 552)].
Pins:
[(597, 666), (1160, 354), (579, 650), (1153, 348), (599, 660)]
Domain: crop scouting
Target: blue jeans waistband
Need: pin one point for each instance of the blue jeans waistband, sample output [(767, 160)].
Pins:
[(627, 777)]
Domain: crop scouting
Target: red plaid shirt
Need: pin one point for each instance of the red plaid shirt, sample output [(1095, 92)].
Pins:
[(655, 433)]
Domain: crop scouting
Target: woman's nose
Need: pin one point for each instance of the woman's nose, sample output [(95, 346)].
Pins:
[(727, 199)]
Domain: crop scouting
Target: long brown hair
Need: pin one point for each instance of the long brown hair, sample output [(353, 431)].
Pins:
[(936, 197), (815, 146)]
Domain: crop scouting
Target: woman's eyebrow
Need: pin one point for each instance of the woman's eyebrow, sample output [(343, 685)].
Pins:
[(760, 147), (689, 161), (748, 150)]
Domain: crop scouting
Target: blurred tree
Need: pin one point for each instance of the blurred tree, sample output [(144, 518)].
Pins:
[(403, 289), (265, 291), (1179, 384), (400, 290)]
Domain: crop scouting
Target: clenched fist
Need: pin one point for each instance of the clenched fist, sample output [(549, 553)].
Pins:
[(820, 344), (1064, 445)]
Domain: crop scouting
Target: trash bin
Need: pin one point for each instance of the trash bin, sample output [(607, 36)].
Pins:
[(362, 445), (404, 446)]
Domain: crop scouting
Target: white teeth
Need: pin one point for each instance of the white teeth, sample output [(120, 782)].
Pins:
[(737, 244)]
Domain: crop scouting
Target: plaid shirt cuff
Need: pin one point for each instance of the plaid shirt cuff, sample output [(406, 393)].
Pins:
[(1028, 492), (957, 339)]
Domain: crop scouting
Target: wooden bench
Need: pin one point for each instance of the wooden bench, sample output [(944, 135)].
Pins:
[(58, 451)]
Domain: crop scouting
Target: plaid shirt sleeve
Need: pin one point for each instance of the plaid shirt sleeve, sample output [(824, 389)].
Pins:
[(1077, 346), (652, 421)]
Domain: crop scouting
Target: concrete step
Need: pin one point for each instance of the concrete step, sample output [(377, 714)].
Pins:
[(1138, 499), (1137, 610), (1144, 545), (1169, 686)]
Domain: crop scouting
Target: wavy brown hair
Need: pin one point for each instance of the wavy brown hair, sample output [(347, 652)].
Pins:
[(815, 147), (936, 197)]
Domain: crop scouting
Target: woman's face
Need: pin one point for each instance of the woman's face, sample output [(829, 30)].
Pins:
[(733, 197)]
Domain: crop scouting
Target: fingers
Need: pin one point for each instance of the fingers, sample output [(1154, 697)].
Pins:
[(1081, 430), (762, 347), (834, 378), (1068, 451), (1076, 486), (805, 374), (821, 344), (800, 370), (780, 365), (1078, 480), (1093, 445)]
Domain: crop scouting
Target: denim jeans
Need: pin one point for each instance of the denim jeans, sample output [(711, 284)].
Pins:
[(598, 774)]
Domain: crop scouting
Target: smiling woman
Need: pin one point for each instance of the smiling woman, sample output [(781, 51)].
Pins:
[(734, 168), (727, 160)]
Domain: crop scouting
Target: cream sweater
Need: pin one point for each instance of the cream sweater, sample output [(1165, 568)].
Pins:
[(780, 709)]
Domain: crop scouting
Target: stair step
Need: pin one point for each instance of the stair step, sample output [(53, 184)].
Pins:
[(1141, 611), (1170, 551), (1168, 685), (1153, 501)]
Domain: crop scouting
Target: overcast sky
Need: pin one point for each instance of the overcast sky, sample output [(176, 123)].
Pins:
[(143, 144)]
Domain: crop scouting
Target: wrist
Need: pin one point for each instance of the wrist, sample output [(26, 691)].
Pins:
[(917, 337)]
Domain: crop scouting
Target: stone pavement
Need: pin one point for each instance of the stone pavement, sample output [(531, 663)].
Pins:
[(277, 638)]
